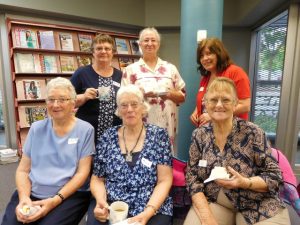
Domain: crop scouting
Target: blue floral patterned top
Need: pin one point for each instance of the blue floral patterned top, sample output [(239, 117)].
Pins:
[(133, 186)]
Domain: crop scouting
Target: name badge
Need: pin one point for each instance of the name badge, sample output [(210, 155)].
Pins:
[(201, 89), (146, 162), (72, 141), (116, 84), (202, 163)]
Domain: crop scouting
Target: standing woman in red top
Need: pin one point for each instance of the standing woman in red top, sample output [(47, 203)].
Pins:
[(214, 61)]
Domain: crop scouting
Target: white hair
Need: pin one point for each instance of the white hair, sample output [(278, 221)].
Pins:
[(61, 83), (133, 90), (149, 30)]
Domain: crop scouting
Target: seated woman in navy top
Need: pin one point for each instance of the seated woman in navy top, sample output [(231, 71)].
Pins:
[(133, 164), (55, 164)]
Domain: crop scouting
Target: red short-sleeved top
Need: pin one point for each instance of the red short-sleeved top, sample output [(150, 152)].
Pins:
[(241, 80)]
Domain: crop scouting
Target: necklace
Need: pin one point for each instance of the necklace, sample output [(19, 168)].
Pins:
[(128, 157)]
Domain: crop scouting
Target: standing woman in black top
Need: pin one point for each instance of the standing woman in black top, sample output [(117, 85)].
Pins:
[(96, 86)]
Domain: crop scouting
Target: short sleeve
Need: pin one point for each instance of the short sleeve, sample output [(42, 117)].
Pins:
[(164, 148), (177, 79), (88, 145), (28, 143), (100, 157)]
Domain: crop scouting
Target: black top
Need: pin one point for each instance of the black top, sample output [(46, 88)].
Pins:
[(99, 113)]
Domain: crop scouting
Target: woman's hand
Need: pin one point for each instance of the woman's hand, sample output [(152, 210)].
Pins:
[(194, 117), (142, 218), (90, 93), (236, 181), (101, 211), (203, 119), (46, 206), (23, 202)]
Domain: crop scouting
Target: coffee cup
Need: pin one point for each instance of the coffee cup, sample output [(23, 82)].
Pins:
[(118, 211), (103, 93)]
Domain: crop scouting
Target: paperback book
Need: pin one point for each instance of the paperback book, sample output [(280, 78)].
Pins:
[(31, 89), (67, 64), (30, 114), (66, 42), (46, 39), (124, 61), (122, 46), (83, 60), (135, 48), (85, 42), (25, 38), (49, 63), (24, 63)]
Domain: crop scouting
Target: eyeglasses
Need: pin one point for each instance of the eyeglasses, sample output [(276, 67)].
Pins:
[(133, 105), (214, 101), (100, 49), (59, 100)]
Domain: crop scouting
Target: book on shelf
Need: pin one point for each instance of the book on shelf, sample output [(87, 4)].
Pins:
[(124, 61), (67, 64), (84, 60), (46, 39), (25, 38), (135, 48), (85, 42), (115, 63), (49, 63), (27, 63), (31, 113), (66, 42), (31, 89), (122, 46)]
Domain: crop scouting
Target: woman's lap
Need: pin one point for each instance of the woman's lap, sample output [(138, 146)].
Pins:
[(68, 212)]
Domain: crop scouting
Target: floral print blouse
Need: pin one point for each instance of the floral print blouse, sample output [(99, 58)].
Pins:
[(164, 77), (133, 186), (247, 152)]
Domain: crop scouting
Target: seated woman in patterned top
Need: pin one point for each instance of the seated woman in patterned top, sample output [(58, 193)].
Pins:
[(250, 196), (133, 164)]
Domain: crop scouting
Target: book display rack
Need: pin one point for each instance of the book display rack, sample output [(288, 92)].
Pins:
[(41, 51)]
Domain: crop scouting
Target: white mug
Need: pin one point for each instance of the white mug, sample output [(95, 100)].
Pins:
[(103, 93), (118, 211)]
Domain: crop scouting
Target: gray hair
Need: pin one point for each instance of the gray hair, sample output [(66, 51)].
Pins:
[(61, 83), (147, 30), (134, 90)]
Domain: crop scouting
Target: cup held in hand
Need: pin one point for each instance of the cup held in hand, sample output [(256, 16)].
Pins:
[(118, 211)]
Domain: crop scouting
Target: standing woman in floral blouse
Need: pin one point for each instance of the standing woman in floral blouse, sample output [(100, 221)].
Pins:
[(250, 196), (160, 80), (133, 164)]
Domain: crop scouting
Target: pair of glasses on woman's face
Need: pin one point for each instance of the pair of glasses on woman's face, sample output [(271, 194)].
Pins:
[(61, 101), (133, 105), (215, 101)]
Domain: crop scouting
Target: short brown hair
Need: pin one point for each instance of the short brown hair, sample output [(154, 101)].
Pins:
[(217, 47), (102, 38)]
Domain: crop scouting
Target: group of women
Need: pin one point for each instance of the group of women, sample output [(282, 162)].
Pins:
[(127, 124)]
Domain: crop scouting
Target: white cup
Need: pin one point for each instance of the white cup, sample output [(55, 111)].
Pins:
[(118, 211), (104, 93)]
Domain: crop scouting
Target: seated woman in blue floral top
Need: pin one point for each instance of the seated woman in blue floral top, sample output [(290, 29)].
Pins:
[(133, 164), (250, 196)]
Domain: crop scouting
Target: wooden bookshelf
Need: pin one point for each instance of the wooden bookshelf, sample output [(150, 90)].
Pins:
[(42, 51)]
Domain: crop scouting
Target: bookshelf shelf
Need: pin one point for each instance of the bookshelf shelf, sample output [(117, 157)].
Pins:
[(41, 51)]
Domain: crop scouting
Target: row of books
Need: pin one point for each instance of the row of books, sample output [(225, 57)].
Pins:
[(8, 156), (48, 39), (52, 63), (49, 63)]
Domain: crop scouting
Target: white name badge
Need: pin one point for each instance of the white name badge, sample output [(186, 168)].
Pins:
[(202, 163), (72, 141), (201, 89), (146, 162), (116, 84)]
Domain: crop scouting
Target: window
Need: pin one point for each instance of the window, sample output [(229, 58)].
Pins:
[(269, 64)]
